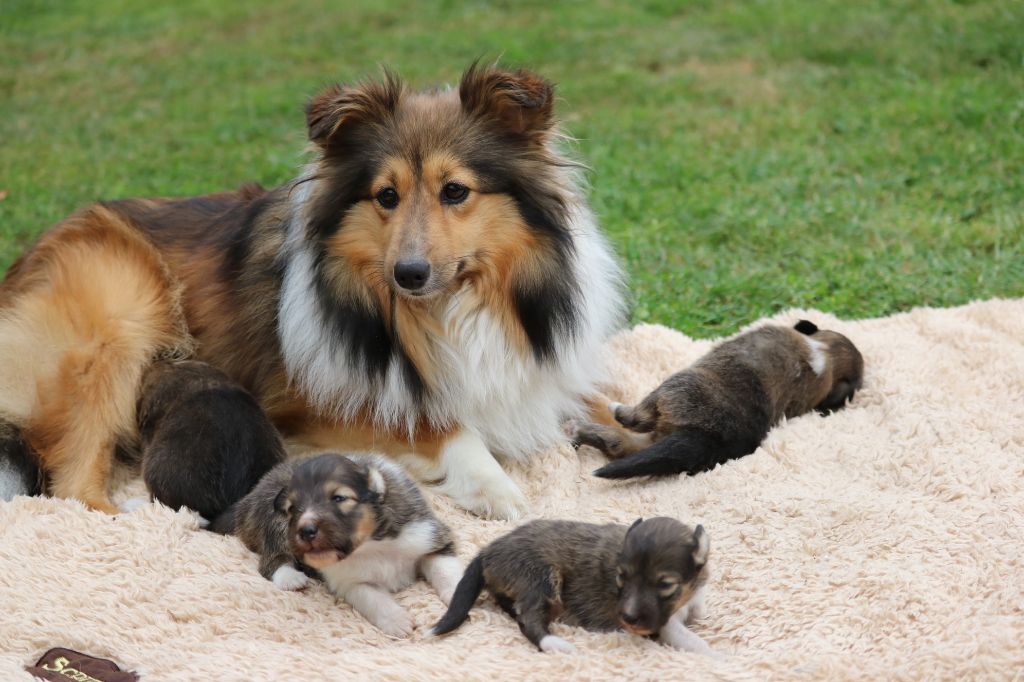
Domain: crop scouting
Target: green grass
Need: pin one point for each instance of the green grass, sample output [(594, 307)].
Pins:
[(857, 157)]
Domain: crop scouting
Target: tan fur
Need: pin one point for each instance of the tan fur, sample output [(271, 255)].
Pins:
[(86, 311)]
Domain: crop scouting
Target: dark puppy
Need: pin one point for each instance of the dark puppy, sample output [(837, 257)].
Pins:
[(647, 579), (205, 441), (723, 406), (359, 520), (20, 473)]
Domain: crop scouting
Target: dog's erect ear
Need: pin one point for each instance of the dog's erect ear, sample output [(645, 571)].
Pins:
[(635, 524), (520, 101), (375, 481), (281, 503), (701, 546), (341, 106), (806, 327)]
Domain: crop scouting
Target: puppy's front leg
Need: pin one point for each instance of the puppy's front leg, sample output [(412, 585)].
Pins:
[(380, 608), (443, 572), (678, 636)]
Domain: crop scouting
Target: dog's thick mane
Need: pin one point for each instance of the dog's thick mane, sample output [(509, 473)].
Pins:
[(482, 379)]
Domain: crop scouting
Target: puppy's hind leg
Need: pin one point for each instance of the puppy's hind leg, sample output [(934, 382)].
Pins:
[(533, 613), (443, 572), (380, 608), (614, 442)]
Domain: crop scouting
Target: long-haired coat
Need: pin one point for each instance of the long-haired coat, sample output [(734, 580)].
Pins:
[(432, 286)]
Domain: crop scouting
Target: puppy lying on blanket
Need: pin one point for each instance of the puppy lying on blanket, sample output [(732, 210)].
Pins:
[(723, 406), (358, 521), (647, 579)]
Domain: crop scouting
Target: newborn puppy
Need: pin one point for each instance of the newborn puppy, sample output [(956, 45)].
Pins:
[(723, 406), (647, 579), (205, 441), (359, 521)]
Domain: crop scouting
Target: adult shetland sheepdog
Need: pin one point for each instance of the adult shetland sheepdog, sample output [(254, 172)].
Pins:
[(432, 286)]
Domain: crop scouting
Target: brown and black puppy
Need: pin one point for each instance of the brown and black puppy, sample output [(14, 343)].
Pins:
[(723, 406), (205, 441), (647, 579), (359, 521)]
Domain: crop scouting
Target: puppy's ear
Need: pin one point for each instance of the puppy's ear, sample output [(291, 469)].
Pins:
[(520, 101), (806, 327), (701, 546), (375, 481), (635, 524), (340, 107), (281, 503)]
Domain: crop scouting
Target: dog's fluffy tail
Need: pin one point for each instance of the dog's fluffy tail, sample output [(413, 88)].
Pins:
[(468, 589), (689, 451)]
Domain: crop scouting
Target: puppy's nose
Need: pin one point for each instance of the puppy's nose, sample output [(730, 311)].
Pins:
[(630, 618), (308, 532), (412, 274)]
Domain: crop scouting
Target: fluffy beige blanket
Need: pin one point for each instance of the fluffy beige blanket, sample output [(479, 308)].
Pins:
[(885, 541)]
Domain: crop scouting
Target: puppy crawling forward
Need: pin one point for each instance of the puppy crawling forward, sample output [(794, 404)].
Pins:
[(723, 406), (647, 579), (357, 521)]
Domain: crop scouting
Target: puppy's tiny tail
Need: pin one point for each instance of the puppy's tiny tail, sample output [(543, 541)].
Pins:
[(468, 589), (225, 523), (689, 451), (806, 327)]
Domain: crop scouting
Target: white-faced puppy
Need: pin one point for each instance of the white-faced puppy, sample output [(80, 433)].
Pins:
[(359, 521), (647, 579), (723, 406)]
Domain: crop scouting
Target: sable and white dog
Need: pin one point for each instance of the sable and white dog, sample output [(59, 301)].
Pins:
[(432, 286)]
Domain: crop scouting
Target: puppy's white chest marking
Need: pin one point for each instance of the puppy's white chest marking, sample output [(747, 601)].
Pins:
[(819, 355), (389, 563)]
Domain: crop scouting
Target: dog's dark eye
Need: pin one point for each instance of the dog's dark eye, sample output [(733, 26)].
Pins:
[(666, 588), (387, 197), (454, 193), (338, 499)]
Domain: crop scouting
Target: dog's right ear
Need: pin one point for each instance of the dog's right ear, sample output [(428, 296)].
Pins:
[(340, 107), (701, 546), (635, 524), (520, 101), (281, 503)]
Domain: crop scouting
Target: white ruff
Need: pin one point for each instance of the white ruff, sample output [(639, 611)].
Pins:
[(819, 355), (486, 384)]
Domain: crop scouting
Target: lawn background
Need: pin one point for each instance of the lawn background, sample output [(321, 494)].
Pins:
[(857, 157)]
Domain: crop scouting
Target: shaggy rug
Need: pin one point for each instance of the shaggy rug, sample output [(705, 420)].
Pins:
[(884, 541)]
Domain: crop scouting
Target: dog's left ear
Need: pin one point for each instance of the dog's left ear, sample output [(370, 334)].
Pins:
[(520, 101), (635, 524), (375, 482), (701, 546)]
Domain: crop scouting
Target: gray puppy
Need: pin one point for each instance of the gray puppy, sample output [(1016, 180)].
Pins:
[(723, 406), (647, 579), (357, 521)]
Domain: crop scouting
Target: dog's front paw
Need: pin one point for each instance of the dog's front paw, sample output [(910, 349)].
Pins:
[(495, 498), (289, 578)]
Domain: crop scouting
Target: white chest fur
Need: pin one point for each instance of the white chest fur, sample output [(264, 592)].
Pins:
[(390, 563)]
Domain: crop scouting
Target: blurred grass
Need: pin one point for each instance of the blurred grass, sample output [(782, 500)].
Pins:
[(861, 158)]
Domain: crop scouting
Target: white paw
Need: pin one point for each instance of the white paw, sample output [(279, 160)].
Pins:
[(289, 578), (678, 636), (477, 482), (553, 643), (395, 622), (695, 609), (443, 572), (133, 503), (495, 498)]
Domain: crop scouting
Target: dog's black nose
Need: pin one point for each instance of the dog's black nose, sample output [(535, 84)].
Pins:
[(412, 274), (307, 533), (630, 618)]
